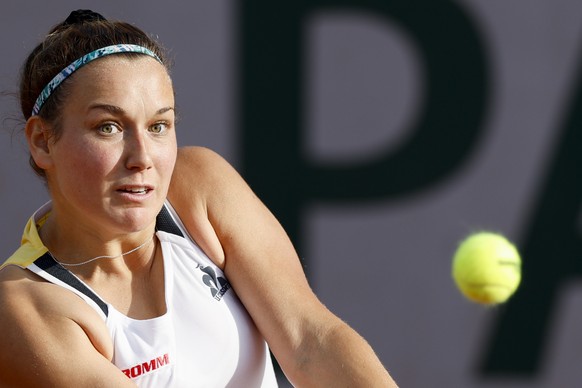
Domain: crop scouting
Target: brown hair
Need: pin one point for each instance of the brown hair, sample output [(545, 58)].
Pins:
[(82, 32)]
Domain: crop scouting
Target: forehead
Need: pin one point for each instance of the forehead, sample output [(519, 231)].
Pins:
[(122, 78), (114, 70)]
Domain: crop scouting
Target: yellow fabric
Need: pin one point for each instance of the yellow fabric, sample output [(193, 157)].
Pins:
[(31, 246)]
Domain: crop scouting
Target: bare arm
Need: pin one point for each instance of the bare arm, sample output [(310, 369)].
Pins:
[(313, 346), (50, 337)]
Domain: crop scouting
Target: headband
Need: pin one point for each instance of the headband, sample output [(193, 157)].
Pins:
[(67, 71)]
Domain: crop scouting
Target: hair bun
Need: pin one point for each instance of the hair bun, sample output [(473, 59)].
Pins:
[(82, 16)]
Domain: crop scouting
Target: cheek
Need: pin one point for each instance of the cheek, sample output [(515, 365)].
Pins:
[(84, 161)]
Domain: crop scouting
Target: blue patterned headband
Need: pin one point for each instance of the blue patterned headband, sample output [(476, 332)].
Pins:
[(67, 71)]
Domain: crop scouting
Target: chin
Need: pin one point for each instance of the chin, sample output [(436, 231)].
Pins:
[(136, 220)]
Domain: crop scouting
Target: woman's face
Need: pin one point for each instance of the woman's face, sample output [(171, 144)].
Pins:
[(111, 166)]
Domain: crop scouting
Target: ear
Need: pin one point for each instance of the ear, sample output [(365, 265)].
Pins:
[(38, 138)]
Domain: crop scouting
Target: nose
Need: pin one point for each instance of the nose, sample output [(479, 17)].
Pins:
[(137, 150)]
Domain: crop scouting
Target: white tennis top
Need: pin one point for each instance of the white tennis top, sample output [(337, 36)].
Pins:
[(205, 339)]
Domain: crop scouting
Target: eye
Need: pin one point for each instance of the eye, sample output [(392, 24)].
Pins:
[(108, 129), (159, 127)]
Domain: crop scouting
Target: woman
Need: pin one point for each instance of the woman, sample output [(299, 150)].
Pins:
[(122, 278)]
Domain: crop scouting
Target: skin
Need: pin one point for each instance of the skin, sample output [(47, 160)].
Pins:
[(88, 173)]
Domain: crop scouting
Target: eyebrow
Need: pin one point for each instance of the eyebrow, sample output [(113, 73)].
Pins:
[(118, 110)]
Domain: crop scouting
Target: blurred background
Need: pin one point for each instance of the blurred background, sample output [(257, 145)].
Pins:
[(380, 133)]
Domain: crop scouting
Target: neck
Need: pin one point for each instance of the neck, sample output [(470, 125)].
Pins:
[(74, 263), (88, 249)]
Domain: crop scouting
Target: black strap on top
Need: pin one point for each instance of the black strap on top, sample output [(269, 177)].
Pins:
[(47, 263), (165, 223)]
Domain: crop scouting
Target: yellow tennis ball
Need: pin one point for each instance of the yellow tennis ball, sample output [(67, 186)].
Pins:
[(487, 268)]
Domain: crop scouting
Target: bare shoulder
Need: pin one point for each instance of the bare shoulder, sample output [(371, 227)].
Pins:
[(196, 154), (24, 296), (202, 176), (21, 291), (22, 287), (206, 184), (203, 184), (39, 321), (206, 166)]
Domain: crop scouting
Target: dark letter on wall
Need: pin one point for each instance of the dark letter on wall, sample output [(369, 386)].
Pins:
[(552, 255), (443, 135), (450, 119)]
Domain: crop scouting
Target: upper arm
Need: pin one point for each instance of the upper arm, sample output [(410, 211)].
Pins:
[(313, 346), (259, 258), (50, 337)]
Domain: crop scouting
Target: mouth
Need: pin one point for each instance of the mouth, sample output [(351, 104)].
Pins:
[(136, 190)]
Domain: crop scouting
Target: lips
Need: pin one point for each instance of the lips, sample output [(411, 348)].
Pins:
[(135, 189)]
